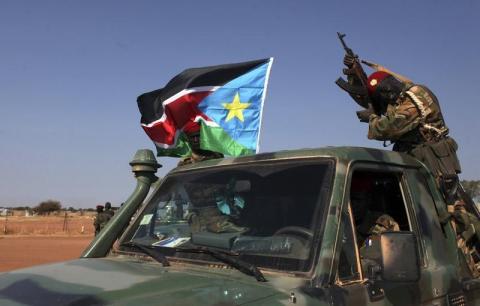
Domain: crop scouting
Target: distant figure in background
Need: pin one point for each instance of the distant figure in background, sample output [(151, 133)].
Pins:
[(100, 220), (108, 209)]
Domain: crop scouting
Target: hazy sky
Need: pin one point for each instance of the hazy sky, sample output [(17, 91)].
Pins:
[(70, 72)]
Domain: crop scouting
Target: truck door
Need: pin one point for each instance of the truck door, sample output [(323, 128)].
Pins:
[(442, 270), (375, 202)]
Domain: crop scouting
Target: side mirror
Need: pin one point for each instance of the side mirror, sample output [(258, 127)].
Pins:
[(399, 257)]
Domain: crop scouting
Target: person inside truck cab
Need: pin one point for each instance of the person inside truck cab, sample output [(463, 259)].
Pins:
[(212, 210), (370, 217), (409, 116)]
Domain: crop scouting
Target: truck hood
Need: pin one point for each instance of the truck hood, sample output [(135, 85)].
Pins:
[(106, 281)]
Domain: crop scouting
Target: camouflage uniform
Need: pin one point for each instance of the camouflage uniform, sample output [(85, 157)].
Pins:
[(210, 219), (205, 215), (375, 223), (409, 116), (109, 212), (100, 221), (369, 230), (466, 227), (108, 209), (414, 123)]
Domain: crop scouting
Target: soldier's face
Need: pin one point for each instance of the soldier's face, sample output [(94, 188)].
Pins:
[(380, 105), (387, 92)]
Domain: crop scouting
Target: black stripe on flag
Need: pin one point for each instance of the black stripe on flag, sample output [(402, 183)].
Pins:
[(150, 103)]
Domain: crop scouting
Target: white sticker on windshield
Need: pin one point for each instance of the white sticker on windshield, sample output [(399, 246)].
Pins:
[(172, 242), (146, 219)]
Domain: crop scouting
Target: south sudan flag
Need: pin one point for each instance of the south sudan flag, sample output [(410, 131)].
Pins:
[(223, 103)]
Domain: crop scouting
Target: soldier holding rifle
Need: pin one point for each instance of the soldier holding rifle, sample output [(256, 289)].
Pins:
[(409, 116), (406, 114)]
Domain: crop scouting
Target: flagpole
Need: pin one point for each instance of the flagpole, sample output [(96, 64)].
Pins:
[(267, 76)]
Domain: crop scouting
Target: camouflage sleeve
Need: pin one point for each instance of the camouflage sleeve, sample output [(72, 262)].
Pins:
[(384, 223), (397, 121)]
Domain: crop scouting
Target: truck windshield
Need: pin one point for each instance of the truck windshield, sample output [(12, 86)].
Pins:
[(268, 214)]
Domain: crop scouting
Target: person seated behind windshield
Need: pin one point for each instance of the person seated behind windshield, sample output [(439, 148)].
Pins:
[(207, 212)]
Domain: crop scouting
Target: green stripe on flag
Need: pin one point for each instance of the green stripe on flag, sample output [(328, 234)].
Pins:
[(182, 149), (217, 140)]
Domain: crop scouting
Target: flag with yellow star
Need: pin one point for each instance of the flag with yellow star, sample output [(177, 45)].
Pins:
[(222, 104), (235, 111)]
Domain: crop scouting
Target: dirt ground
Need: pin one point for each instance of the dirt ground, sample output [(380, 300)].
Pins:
[(24, 251), (32, 240)]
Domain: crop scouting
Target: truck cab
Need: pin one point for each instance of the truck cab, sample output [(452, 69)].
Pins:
[(290, 227)]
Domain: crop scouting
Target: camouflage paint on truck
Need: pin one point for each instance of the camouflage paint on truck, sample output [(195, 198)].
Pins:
[(123, 278)]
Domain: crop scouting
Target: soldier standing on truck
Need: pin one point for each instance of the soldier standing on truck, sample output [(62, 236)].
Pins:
[(408, 116)]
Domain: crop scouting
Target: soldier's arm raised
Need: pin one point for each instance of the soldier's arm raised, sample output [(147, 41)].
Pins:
[(397, 121), (356, 84)]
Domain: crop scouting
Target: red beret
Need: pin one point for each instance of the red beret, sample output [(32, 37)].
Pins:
[(375, 79)]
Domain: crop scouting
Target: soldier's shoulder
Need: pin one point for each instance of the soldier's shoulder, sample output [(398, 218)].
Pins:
[(386, 220), (406, 107), (386, 223), (422, 92)]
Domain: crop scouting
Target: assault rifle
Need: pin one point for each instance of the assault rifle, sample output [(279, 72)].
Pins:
[(357, 91)]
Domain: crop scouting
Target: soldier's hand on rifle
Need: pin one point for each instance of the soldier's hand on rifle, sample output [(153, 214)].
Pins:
[(364, 115), (348, 60)]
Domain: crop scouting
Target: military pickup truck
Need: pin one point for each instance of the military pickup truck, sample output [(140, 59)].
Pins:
[(285, 228)]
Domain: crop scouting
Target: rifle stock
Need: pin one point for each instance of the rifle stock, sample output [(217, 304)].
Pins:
[(378, 67)]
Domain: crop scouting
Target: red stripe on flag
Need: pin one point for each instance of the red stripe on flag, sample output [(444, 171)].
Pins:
[(179, 114), (162, 132)]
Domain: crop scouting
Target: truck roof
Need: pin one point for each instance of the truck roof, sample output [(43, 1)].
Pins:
[(347, 154)]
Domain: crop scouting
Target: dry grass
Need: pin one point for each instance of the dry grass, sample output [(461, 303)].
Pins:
[(70, 225)]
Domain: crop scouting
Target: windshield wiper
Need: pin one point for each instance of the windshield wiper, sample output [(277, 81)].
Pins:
[(228, 258), (149, 251)]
